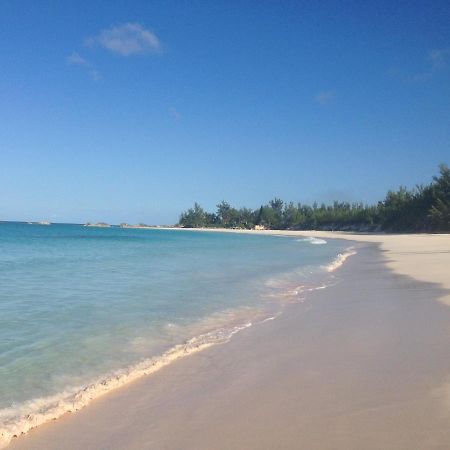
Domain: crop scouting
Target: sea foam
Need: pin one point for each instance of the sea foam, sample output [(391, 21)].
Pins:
[(18, 420), (312, 240), (340, 259)]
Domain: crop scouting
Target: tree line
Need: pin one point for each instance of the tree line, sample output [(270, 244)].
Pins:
[(423, 208)]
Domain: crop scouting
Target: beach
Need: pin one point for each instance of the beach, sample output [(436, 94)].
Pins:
[(364, 363)]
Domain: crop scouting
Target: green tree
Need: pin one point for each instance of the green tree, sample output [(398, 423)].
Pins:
[(423, 208), (439, 212), (194, 217)]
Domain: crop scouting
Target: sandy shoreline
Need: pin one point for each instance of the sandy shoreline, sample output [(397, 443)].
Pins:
[(364, 364), (424, 257)]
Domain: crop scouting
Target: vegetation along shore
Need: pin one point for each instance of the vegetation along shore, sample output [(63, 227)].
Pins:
[(425, 208)]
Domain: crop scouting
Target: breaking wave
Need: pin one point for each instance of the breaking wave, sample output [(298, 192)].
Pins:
[(340, 259)]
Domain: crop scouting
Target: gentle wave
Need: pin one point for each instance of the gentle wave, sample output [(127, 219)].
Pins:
[(312, 240), (19, 420), (340, 259)]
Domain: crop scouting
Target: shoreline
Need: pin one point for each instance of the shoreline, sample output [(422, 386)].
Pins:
[(49, 433), (424, 257), (74, 399)]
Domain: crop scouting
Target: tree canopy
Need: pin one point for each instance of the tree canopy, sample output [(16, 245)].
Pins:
[(423, 208)]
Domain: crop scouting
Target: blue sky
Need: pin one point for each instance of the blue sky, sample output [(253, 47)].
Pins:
[(132, 110)]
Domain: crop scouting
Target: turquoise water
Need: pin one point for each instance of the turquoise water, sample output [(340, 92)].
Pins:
[(79, 303)]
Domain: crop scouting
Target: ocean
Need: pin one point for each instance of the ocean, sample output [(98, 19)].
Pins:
[(84, 310)]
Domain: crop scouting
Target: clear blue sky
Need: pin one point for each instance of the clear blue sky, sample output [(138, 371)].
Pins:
[(132, 110)]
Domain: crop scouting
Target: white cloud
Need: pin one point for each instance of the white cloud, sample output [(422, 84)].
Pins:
[(76, 60), (126, 40), (324, 97)]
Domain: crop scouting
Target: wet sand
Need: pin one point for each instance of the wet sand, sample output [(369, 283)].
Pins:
[(425, 257), (364, 364)]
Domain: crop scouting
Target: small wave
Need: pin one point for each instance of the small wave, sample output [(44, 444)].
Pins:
[(317, 288), (268, 319), (312, 240), (18, 420), (340, 259)]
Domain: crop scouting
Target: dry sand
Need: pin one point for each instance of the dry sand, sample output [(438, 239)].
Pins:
[(364, 364)]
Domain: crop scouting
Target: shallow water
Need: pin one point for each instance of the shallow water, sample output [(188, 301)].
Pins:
[(78, 304)]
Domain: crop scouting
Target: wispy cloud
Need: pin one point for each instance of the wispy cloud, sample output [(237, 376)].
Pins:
[(437, 60), (75, 59), (126, 40), (95, 74), (174, 113), (325, 97)]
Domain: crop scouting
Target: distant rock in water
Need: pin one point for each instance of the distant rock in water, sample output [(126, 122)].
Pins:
[(99, 224), (139, 225)]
